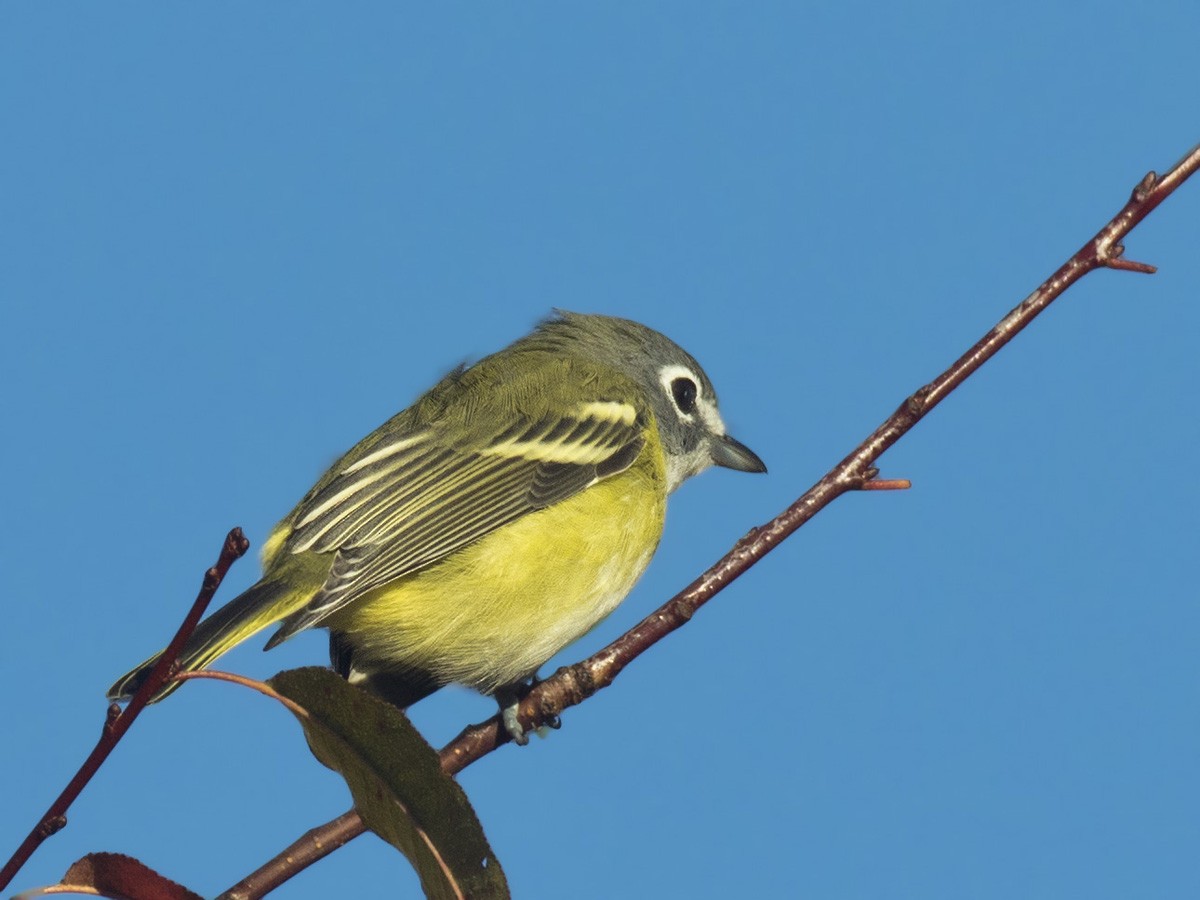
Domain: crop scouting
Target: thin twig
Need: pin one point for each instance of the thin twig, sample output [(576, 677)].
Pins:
[(117, 721), (573, 684)]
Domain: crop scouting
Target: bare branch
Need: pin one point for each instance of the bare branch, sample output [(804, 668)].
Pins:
[(117, 721)]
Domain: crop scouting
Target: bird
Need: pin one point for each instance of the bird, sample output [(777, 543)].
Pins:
[(496, 520)]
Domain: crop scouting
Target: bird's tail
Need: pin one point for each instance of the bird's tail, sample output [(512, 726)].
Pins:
[(239, 619)]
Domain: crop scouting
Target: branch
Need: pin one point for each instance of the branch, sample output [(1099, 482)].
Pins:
[(118, 721), (572, 685)]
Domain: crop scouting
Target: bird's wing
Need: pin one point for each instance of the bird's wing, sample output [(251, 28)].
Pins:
[(417, 497)]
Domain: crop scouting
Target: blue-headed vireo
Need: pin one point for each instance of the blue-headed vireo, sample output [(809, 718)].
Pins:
[(497, 519)]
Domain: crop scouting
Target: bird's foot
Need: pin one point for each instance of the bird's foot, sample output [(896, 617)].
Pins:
[(509, 699)]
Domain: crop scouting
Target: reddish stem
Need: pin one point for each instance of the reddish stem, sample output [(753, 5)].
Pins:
[(117, 721)]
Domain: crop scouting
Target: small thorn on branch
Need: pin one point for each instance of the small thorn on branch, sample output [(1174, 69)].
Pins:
[(749, 537), (1129, 265), (885, 484), (1145, 186)]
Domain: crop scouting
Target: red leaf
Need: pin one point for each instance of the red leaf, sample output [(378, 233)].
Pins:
[(124, 878)]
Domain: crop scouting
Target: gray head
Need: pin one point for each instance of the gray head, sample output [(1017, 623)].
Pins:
[(682, 398)]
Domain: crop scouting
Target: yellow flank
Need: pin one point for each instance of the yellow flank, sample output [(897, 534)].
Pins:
[(491, 613), (274, 543)]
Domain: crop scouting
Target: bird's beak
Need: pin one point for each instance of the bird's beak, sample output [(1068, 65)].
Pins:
[(733, 454)]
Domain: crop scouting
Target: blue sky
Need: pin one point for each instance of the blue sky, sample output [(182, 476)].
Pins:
[(236, 237)]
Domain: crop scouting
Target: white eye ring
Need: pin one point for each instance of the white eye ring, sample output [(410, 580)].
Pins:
[(684, 388)]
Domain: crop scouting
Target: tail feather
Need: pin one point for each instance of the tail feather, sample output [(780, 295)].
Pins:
[(237, 620)]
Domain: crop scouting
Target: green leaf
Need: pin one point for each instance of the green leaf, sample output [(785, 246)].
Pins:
[(397, 783)]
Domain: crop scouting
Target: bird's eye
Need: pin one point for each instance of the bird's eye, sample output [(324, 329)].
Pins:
[(684, 392)]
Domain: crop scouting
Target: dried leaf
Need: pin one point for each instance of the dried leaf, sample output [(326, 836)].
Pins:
[(123, 878)]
